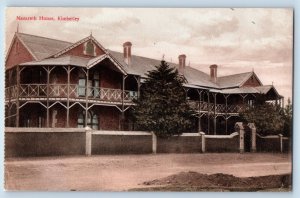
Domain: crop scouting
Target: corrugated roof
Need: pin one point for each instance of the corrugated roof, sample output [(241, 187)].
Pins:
[(42, 47), (264, 89), (141, 65), (234, 80), (241, 90), (63, 60)]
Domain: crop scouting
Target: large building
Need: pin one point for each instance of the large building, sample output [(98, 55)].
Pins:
[(54, 83)]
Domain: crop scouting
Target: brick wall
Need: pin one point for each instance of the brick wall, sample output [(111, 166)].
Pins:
[(79, 51), (18, 54), (222, 144), (251, 82), (121, 144), (109, 118), (41, 143), (179, 144)]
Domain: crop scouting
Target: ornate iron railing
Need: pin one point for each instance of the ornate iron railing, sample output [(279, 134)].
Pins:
[(71, 91), (220, 108)]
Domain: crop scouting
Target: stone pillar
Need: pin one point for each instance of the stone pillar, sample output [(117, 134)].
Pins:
[(253, 137), (240, 129), (202, 135), (154, 143), (88, 142), (281, 142)]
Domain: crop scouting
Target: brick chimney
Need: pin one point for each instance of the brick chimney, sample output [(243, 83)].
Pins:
[(127, 52), (213, 73), (181, 59)]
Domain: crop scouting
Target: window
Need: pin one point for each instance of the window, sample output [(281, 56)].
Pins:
[(96, 84), (81, 118), (90, 48), (81, 84), (92, 120)]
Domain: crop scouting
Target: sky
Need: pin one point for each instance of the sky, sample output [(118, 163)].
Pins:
[(236, 39)]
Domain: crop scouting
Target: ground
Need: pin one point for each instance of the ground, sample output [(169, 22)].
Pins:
[(131, 172)]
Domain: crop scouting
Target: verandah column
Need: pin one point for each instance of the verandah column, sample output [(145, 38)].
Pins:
[(226, 113), (123, 96), (215, 106), (86, 97), (68, 96), (199, 110), (18, 92), (208, 113)]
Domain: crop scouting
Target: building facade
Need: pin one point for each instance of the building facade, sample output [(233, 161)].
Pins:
[(54, 83)]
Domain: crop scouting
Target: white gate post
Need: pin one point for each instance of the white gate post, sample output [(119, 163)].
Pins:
[(281, 142), (253, 137), (154, 143), (202, 135), (88, 142), (240, 128)]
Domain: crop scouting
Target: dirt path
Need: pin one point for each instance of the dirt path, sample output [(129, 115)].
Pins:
[(123, 172)]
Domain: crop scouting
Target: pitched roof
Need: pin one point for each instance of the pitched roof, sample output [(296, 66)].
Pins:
[(141, 65), (63, 60), (41, 47), (234, 80)]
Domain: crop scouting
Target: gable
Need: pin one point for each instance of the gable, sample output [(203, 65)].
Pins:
[(252, 81), (17, 54), (86, 49)]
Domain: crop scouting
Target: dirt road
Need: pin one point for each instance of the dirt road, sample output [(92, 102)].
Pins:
[(123, 172)]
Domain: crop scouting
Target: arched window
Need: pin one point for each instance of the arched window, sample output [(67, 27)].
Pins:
[(90, 48), (92, 120), (80, 120)]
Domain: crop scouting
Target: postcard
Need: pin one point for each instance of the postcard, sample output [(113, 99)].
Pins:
[(148, 99)]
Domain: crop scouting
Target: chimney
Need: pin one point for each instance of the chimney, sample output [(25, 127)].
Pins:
[(181, 59), (213, 73), (127, 52)]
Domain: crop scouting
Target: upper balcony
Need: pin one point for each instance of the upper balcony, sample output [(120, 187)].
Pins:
[(71, 92), (221, 109)]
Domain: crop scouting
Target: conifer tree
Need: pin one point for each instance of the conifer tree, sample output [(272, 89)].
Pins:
[(162, 106)]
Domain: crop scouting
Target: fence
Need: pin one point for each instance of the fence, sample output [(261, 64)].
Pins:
[(23, 142)]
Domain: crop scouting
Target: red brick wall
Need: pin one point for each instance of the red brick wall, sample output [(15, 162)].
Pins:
[(79, 51), (251, 82), (15, 56), (60, 116), (110, 79), (32, 111), (109, 118)]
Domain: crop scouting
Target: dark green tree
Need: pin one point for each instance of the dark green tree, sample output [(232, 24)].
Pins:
[(162, 106), (268, 118), (288, 117)]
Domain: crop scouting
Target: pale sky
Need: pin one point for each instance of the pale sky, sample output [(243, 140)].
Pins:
[(237, 40)]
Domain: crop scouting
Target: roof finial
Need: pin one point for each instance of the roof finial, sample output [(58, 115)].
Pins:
[(163, 57), (91, 34), (252, 69), (272, 83)]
